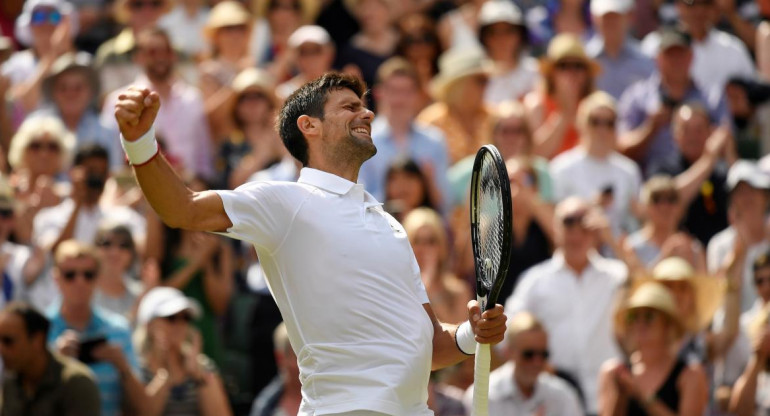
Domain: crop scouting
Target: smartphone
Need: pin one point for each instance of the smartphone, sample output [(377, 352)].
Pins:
[(87, 346)]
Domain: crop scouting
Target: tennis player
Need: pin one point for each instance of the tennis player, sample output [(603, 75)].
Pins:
[(339, 267)]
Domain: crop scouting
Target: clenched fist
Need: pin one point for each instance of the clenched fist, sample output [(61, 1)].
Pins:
[(135, 112)]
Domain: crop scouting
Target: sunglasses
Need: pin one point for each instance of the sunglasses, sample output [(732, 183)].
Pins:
[(69, 275), (233, 28), (512, 130), (6, 213), (573, 221), (107, 244), (644, 316), (312, 51), (664, 198), (530, 354), (138, 5), (41, 17), (608, 123), (498, 31), (419, 39), (7, 341), (571, 66), (759, 281), (39, 145), (179, 317)]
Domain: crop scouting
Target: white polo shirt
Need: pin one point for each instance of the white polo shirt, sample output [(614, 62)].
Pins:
[(348, 286)]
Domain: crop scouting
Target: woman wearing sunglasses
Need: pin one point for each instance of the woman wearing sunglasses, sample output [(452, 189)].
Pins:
[(118, 290)]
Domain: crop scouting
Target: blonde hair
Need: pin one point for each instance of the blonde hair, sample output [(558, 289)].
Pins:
[(522, 322), (73, 249), (510, 109), (35, 127), (595, 101), (657, 183), (308, 9), (427, 217)]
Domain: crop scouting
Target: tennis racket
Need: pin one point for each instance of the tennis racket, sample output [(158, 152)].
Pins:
[(491, 240)]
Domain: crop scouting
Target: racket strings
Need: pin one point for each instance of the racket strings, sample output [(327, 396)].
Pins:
[(491, 221)]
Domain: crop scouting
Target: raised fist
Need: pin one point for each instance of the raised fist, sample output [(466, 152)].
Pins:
[(135, 112)]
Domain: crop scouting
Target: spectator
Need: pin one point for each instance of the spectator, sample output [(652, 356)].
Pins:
[(717, 55), (504, 36), (594, 170), (179, 378), (37, 382), (647, 107), (572, 295), (619, 55), (748, 192), (430, 243), (418, 44), (71, 92), (95, 337), (552, 18), (748, 103), (283, 395), (459, 110), (649, 325), (752, 387), (185, 26), (118, 288), (314, 52), (568, 77), (523, 386), (458, 29), (115, 57), (397, 135), (407, 187), (182, 120)]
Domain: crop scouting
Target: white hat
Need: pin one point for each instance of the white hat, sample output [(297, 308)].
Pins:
[(602, 7), (23, 34), (749, 172), (165, 301), (309, 34), (497, 11), (456, 64)]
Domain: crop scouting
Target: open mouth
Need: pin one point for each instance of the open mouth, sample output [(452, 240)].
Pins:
[(362, 130)]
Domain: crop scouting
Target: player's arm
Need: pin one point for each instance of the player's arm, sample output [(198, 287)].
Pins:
[(177, 206), (487, 328)]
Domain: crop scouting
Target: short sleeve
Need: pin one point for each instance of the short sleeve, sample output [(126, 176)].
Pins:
[(262, 212)]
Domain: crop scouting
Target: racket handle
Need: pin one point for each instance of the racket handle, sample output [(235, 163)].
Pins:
[(481, 381)]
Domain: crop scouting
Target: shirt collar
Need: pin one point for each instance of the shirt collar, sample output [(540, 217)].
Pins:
[(325, 180)]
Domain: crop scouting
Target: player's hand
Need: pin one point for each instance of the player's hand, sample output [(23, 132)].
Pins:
[(135, 112), (489, 327)]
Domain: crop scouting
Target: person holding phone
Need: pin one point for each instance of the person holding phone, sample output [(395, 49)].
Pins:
[(97, 338)]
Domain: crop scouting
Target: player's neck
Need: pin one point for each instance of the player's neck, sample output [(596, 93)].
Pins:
[(343, 171)]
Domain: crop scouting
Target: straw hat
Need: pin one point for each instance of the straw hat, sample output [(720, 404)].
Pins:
[(457, 64), (709, 290), (81, 62), (650, 295), (566, 46), (255, 78), (224, 14)]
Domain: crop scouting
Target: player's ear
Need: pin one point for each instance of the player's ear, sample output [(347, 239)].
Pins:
[(309, 126)]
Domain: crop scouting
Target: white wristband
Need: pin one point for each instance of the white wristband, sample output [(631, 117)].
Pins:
[(465, 338), (142, 150)]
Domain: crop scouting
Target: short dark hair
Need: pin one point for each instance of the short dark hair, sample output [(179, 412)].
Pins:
[(88, 151), (310, 100), (150, 33), (34, 321)]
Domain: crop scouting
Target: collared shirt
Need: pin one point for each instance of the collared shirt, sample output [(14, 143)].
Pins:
[(117, 331), (644, 99), (66, 389), (577, 312), (425, 145), (181, 123), (620, 72), (552, 396), (348, 286)]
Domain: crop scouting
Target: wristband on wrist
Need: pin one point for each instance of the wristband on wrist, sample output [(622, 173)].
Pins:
[(465, 339), (143, 150)]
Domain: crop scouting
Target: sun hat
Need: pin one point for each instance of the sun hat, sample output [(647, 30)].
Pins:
[(22, 30), (309, 34), (457, 64), (650, 295), (566, 46), (224, 14), (500, 11), (749, 172), (255, 78), (602, 7), (164, 301), (78, 61)]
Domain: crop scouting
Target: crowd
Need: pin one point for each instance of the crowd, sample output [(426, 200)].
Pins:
[(637, 141)]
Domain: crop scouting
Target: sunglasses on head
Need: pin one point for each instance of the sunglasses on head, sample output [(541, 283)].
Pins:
[(530, 354), (41, 17), (668, 198), (69, 275), (608, 123), (39, 145), (109, 243), (571, 66), (152, 4), (179, 317)]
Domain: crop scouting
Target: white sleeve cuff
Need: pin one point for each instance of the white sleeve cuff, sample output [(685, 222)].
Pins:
[(142, 150), (466, 339)]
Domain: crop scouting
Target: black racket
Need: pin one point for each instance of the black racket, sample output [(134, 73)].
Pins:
[(491, 213)]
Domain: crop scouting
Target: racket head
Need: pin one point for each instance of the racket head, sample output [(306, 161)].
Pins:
[(491, 216)]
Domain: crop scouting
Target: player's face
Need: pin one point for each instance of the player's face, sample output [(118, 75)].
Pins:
[(347, 126)]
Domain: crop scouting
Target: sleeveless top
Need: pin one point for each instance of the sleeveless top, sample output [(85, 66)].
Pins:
[(571, 136), (668, 393)]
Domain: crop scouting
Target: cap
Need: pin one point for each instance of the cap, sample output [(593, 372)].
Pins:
[(309, 34), (749, 172), (497, 11), (602, 7), (670, 37), (23, 22), (165, 301)]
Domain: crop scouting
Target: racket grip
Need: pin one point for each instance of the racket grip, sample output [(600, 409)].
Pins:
[(481, 381)]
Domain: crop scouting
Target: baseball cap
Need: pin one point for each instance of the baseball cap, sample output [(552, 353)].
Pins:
[(670, 37), (163, 301), (602, 7), (309, 34), (497, 11), (749, 172)]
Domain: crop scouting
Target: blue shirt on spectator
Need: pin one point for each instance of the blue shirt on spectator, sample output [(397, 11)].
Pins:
[(117, 331), (622, 71), (425, 145)]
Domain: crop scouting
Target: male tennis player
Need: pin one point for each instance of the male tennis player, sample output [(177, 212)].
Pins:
[(341, 269)]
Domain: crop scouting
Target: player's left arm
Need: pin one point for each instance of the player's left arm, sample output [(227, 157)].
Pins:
[(488, 328)]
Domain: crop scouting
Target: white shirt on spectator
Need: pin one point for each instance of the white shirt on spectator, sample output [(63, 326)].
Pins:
[(577, 312), (348, 286), (514, 84), (718, 248), (552, 396)]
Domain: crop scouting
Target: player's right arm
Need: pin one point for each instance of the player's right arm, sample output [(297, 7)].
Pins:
[(177, 206)]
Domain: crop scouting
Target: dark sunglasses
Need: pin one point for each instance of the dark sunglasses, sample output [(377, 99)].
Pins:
[(138, 5), (601, 122), (38, 145), (571, 66), (107, 244), (419, 39), (183, 317), (668, 198), (313, 51), (233, 28), (759, 281), (529, 355), (644, 316), (573, 221), (7, 341), (69, 275), (41, 17)]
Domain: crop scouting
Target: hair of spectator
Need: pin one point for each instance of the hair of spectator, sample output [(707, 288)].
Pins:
[(35, 127), (73, 249), (34, 321), (569, 205), (510, 109), (595, 101), (762, 261), (411, 168), (397, 66), (656, 184), (427, 217), (522, 322), (687, 111), (152, 32), (90, 151), (310, 100)]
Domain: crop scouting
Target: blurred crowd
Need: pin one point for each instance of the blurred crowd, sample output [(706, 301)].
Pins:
[(636, 136)]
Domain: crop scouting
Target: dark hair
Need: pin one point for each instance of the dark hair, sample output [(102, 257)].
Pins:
[(152, 32), (88, 151), (310, 100), (411, 168), (762, 261), (34, 321)]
